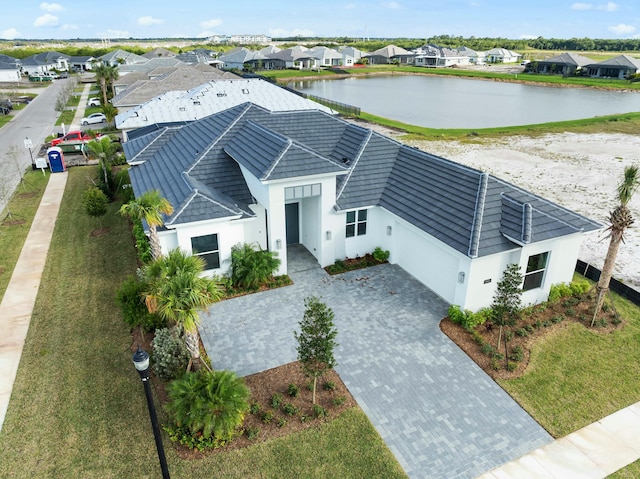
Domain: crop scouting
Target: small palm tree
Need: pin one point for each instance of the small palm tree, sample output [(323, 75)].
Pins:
[(150, 207), (177, 291), (106, 75), (211, 404), (619, 220)]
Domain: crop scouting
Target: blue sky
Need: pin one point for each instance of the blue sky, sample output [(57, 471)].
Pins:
[(352, 18)]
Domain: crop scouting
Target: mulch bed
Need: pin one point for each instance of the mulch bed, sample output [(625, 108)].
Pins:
[(100, 231), (263, 386), (541, 324)]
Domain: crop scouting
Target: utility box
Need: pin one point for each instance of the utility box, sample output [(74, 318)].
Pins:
[(56, 159)]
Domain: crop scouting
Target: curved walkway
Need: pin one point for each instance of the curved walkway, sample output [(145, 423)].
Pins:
[(440, 414)]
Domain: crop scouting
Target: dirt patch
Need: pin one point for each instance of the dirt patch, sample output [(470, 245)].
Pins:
[(534, 325), (29, 194), (100, 231), (13, 222)]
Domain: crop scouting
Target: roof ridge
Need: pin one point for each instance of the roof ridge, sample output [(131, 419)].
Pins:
[(355, 162), (478, 214)]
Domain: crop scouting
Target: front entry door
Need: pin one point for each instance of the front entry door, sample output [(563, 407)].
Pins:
[(292, 223)]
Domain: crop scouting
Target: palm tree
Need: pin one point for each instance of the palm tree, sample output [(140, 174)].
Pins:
[(105, 150), (106, 75), (150, 207), (177, 291), (619, 220)]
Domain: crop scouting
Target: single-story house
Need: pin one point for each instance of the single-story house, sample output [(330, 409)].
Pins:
[(620, 67), (45, 62), (121, 57), (299, 57), (436, 56), (248, 175), (475, 58), (328, 57), (390, 54), (502, 55), (9, 72), (159, 52), (81, 63), (350, 55), (212, 97), (563, 64), (238, 57)]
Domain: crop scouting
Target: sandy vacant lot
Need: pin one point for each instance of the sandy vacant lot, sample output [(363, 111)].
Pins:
[(578, 171)]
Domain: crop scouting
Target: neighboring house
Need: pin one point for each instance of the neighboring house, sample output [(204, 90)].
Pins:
[(563, 64), (149, 65), (350, 55), (502, 55), (9, 72), (390, 54), (237, 58), (82, 63), (436, 56), (476, 58), (278, 178), (45, 62), (121, 57), (328, 57), (181, 78), (620, 67), (199, 55), (159, 52), (212, 97), (299, 57)]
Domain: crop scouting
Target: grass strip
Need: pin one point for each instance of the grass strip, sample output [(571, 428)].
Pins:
[(15, 228)]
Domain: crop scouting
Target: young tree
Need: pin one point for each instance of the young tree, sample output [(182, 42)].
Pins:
[(619, 220), (507, 301), (150, 206), (177, 292), (316, 340), (95, 202)]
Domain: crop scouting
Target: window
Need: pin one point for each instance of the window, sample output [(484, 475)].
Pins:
[(535, 271), (207, 247), (356, 223)]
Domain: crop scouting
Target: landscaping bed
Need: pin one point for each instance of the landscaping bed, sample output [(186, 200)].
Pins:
[(480, 343)]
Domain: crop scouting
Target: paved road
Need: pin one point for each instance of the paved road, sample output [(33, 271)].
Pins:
[(37, 122), (438, 412)]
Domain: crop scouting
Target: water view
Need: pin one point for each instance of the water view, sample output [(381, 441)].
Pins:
[(446, 102)]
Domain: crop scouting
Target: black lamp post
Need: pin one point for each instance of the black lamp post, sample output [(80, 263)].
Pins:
[(141, 362)]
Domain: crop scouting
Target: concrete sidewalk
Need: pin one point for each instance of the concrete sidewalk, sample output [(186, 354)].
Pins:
[(18, 301), (593, 452)]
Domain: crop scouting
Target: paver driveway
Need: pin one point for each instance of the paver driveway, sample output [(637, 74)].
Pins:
[(440, 414)]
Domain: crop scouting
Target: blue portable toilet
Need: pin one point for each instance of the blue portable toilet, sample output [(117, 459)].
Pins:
[(56, 159)]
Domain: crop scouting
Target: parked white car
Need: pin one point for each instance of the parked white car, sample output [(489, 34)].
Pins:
[(94, 118), (95, 101)]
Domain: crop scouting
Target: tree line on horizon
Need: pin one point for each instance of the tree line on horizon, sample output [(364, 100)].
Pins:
[(478, 44)]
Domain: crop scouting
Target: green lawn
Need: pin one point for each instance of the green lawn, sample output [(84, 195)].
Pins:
[(14, 229), (78, 407), (578, 375)]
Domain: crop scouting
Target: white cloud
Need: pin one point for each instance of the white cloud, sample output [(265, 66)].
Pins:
[(296, 32), (116, 34), (391, 5), (209, 24), (525, 36), (148, 21), (10, 34), (622, 29), (609, 7), (51, 7), (46, 20), (69, 26)]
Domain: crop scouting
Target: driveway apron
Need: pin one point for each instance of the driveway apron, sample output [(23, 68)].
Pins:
[(440, 414)]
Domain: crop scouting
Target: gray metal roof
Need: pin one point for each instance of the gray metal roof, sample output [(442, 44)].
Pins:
[(619, 61), (197, 167), (568, 59)]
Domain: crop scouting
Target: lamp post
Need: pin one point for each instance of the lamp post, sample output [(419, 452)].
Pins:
[(141, 362), (28, 144)]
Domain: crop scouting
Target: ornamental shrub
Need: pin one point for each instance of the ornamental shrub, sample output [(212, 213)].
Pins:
[(380, 255), (170, 354), (252, 267), (559, 291), (130, 298), (208, 405)]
